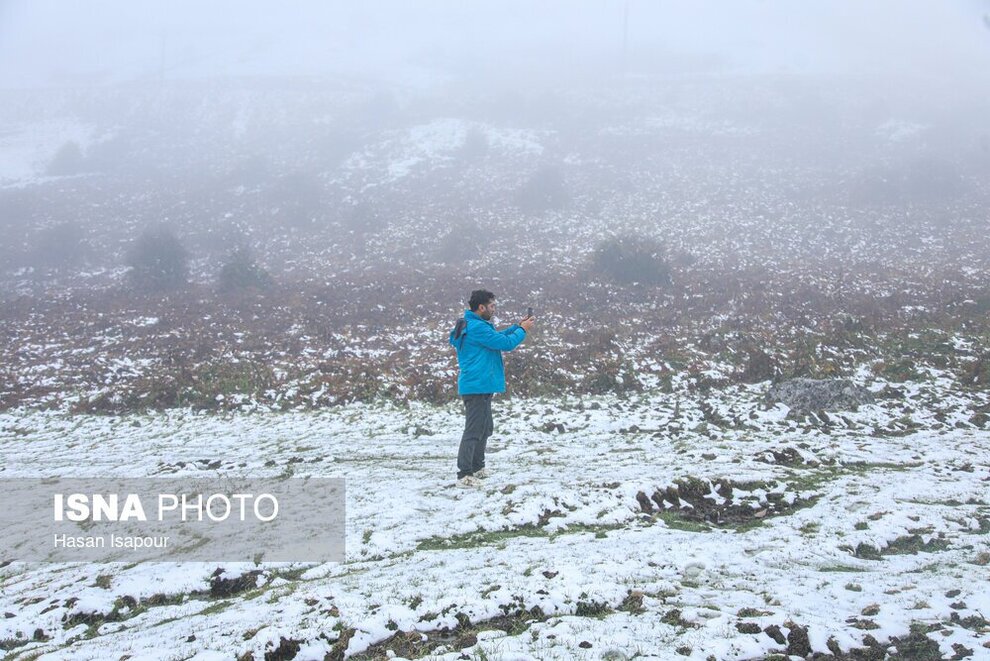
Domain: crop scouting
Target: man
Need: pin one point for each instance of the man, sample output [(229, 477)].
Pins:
[(479, 357)]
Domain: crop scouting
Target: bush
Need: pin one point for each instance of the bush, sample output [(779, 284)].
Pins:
[(362, 218), (926, 179), (68, 160), (158, 260), (251, 172), (461, 243), (475, 146), (545, 191), (299, 200), (59, 246), (632, 259), (242, 272)]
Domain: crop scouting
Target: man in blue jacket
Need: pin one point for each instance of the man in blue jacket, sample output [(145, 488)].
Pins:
[(479, 357)]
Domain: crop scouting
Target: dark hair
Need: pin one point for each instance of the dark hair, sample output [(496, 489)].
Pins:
[(480, 297)]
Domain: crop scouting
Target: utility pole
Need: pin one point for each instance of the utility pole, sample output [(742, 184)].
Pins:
[(161, 63), (625, 35)]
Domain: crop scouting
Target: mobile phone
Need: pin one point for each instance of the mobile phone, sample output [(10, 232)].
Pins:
[(529, 312)]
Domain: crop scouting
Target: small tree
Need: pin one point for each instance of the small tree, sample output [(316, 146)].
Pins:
[(475, 145), (545, 191), (628, 259), (299, 199), (158, 260), (67, 160), (242, 272), (60, 246)]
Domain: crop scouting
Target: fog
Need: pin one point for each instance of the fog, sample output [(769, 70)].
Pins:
[(50, 42), (332, 138), (753, 237)]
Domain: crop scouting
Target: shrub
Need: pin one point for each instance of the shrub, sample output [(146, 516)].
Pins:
[(242, 272), (59, 246), (926, 179), (158, 260), (475, 146), (461, 243), (299, 200), (67, 160), (632, 259), (545, 191), (251, 172), (362, 218)]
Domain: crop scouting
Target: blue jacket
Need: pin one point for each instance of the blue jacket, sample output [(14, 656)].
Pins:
[(479, 354)]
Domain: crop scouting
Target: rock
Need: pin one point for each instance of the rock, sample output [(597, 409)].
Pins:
[(775, 633), (798, 643), (221, 587), (759, 367), (287, 649), (961, 651), (809, 395)]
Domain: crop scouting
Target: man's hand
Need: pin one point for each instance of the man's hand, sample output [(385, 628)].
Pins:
[(528, 323)]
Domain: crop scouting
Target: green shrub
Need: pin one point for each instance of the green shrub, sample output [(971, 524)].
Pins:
[(242, 272), (67, 160), (158, 260), (545, 191), (632, 259)]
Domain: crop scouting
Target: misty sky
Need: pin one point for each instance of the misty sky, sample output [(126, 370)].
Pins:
[(53, 42)]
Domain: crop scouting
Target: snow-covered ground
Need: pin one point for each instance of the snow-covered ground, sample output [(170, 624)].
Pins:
[(29, 148), (665, 526)]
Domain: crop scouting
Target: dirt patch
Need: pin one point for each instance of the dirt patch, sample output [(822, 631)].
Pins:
[(789, 457), (221, 587), (906, 545), (417, 644), (722, 502), (287, 649), (915, 645)]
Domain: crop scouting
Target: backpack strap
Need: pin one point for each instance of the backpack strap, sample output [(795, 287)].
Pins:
[(460, 331)]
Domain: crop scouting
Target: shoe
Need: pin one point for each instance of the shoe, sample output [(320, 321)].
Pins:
[(469, 481), (483, 473)]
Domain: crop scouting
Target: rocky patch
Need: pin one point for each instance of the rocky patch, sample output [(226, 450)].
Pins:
[(809, 395)]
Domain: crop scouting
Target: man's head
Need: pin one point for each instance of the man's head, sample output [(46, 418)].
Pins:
[(482, 303)]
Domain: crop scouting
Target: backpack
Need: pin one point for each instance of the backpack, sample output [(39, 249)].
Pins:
[(459, 332)]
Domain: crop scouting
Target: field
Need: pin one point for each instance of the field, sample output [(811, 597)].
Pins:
[(648, 498)]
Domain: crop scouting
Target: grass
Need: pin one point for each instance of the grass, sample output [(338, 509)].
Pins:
[(841, 568), (218, 607), (499, 537), (675, 521), (478, 539)]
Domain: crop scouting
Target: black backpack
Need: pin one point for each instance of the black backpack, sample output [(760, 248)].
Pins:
[(460, 331)]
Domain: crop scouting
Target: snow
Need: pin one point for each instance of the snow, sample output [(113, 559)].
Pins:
[(398, 154), (28, 148), (558, 523), (899, 130)]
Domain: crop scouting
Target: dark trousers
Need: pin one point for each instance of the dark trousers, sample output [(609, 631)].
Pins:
[(477, 428)]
